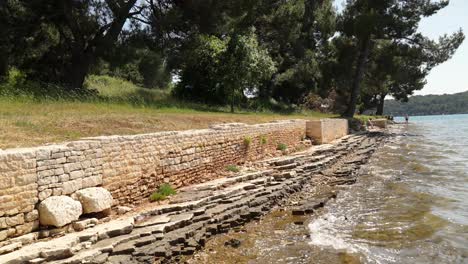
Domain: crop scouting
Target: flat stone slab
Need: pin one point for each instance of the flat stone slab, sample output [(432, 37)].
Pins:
[(156, 220)]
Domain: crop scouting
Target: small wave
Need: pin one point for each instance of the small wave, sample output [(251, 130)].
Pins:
[(323, 234)]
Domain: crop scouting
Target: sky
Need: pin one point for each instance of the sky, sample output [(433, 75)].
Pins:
[(452, 76)]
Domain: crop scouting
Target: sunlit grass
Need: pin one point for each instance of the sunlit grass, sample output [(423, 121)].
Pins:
[(121, 108)]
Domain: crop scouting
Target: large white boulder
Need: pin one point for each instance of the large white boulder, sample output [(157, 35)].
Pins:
[(59, 211), (94, 200)]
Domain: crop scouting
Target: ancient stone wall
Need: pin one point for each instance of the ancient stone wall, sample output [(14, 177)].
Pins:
[(326, 130), (130, 167), (382, 122), (134, 166), (18, 193)]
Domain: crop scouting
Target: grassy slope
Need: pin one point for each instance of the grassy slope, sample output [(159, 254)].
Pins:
[(126, 109)]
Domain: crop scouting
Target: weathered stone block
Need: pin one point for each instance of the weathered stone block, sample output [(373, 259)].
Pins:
[(76, 174), (382, 123), (59, 211), (72, 186), (15, 220), (45, 194), (3, 235), (27, 228), (31, 216), (94, 200), (326, 130)]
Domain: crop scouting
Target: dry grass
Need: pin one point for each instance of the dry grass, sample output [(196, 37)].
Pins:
[(28, 123), (122, 108)]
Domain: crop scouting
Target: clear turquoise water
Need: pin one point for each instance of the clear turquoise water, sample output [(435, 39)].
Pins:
[(411, 203)]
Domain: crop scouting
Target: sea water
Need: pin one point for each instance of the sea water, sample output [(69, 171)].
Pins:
[(410, 204)]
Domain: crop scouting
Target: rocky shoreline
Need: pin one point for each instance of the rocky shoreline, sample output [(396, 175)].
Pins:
[(170, 233), (285, 226)]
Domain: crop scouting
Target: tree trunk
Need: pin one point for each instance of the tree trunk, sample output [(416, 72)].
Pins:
[(76, 73), (380, 106), (360, 69), (232, 99), (85, 54)]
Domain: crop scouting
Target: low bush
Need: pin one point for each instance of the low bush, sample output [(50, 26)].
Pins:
[(263, 140), (282, 147), (232, 168), (162, 193)]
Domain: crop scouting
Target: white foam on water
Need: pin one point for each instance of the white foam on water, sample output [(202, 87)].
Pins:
[(324, 234)]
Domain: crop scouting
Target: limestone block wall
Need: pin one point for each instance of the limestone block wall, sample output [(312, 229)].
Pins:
[(133, 166), (326, 130), (382, 123), (18, 192), (65, 169), (130, 167)]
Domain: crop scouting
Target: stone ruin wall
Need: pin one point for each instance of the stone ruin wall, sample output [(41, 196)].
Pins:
[(130, 167), (327, 130), (134, 166)]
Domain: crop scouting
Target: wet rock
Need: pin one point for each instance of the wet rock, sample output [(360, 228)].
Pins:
[(59, 211), (298, 211), (234, 243)]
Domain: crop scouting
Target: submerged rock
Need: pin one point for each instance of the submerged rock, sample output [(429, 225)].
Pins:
[(232, 243)]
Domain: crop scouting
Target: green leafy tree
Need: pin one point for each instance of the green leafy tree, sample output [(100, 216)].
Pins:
[(245, 65), (367, 21), (200, 79), (219, 70), (297, 35), (71, 36)]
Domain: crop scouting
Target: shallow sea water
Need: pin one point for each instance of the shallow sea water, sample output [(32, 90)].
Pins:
[(411, 203)]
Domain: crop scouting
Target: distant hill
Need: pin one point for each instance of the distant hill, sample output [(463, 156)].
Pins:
[(429, 105)]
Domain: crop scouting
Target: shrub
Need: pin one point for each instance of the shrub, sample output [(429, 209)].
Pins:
[(247, 141), (162, 193), (232, 168), (282, 147), (263, 140)]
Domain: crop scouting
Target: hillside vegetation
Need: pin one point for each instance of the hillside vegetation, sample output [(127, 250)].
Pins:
[(119, 108), (430, 105), (239, 54), (72, 69)]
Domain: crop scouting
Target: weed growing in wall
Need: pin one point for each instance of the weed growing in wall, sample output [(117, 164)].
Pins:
[(247, 141), (232, 168), (162, 193), (282, 147), (263, 140)]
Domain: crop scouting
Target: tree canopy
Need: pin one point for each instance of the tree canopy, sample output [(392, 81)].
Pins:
[(233, 52)]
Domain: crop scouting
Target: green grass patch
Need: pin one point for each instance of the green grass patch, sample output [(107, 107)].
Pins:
[(247, 141), (281, 146), (232, 168), (263, 140), (162, 193)]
